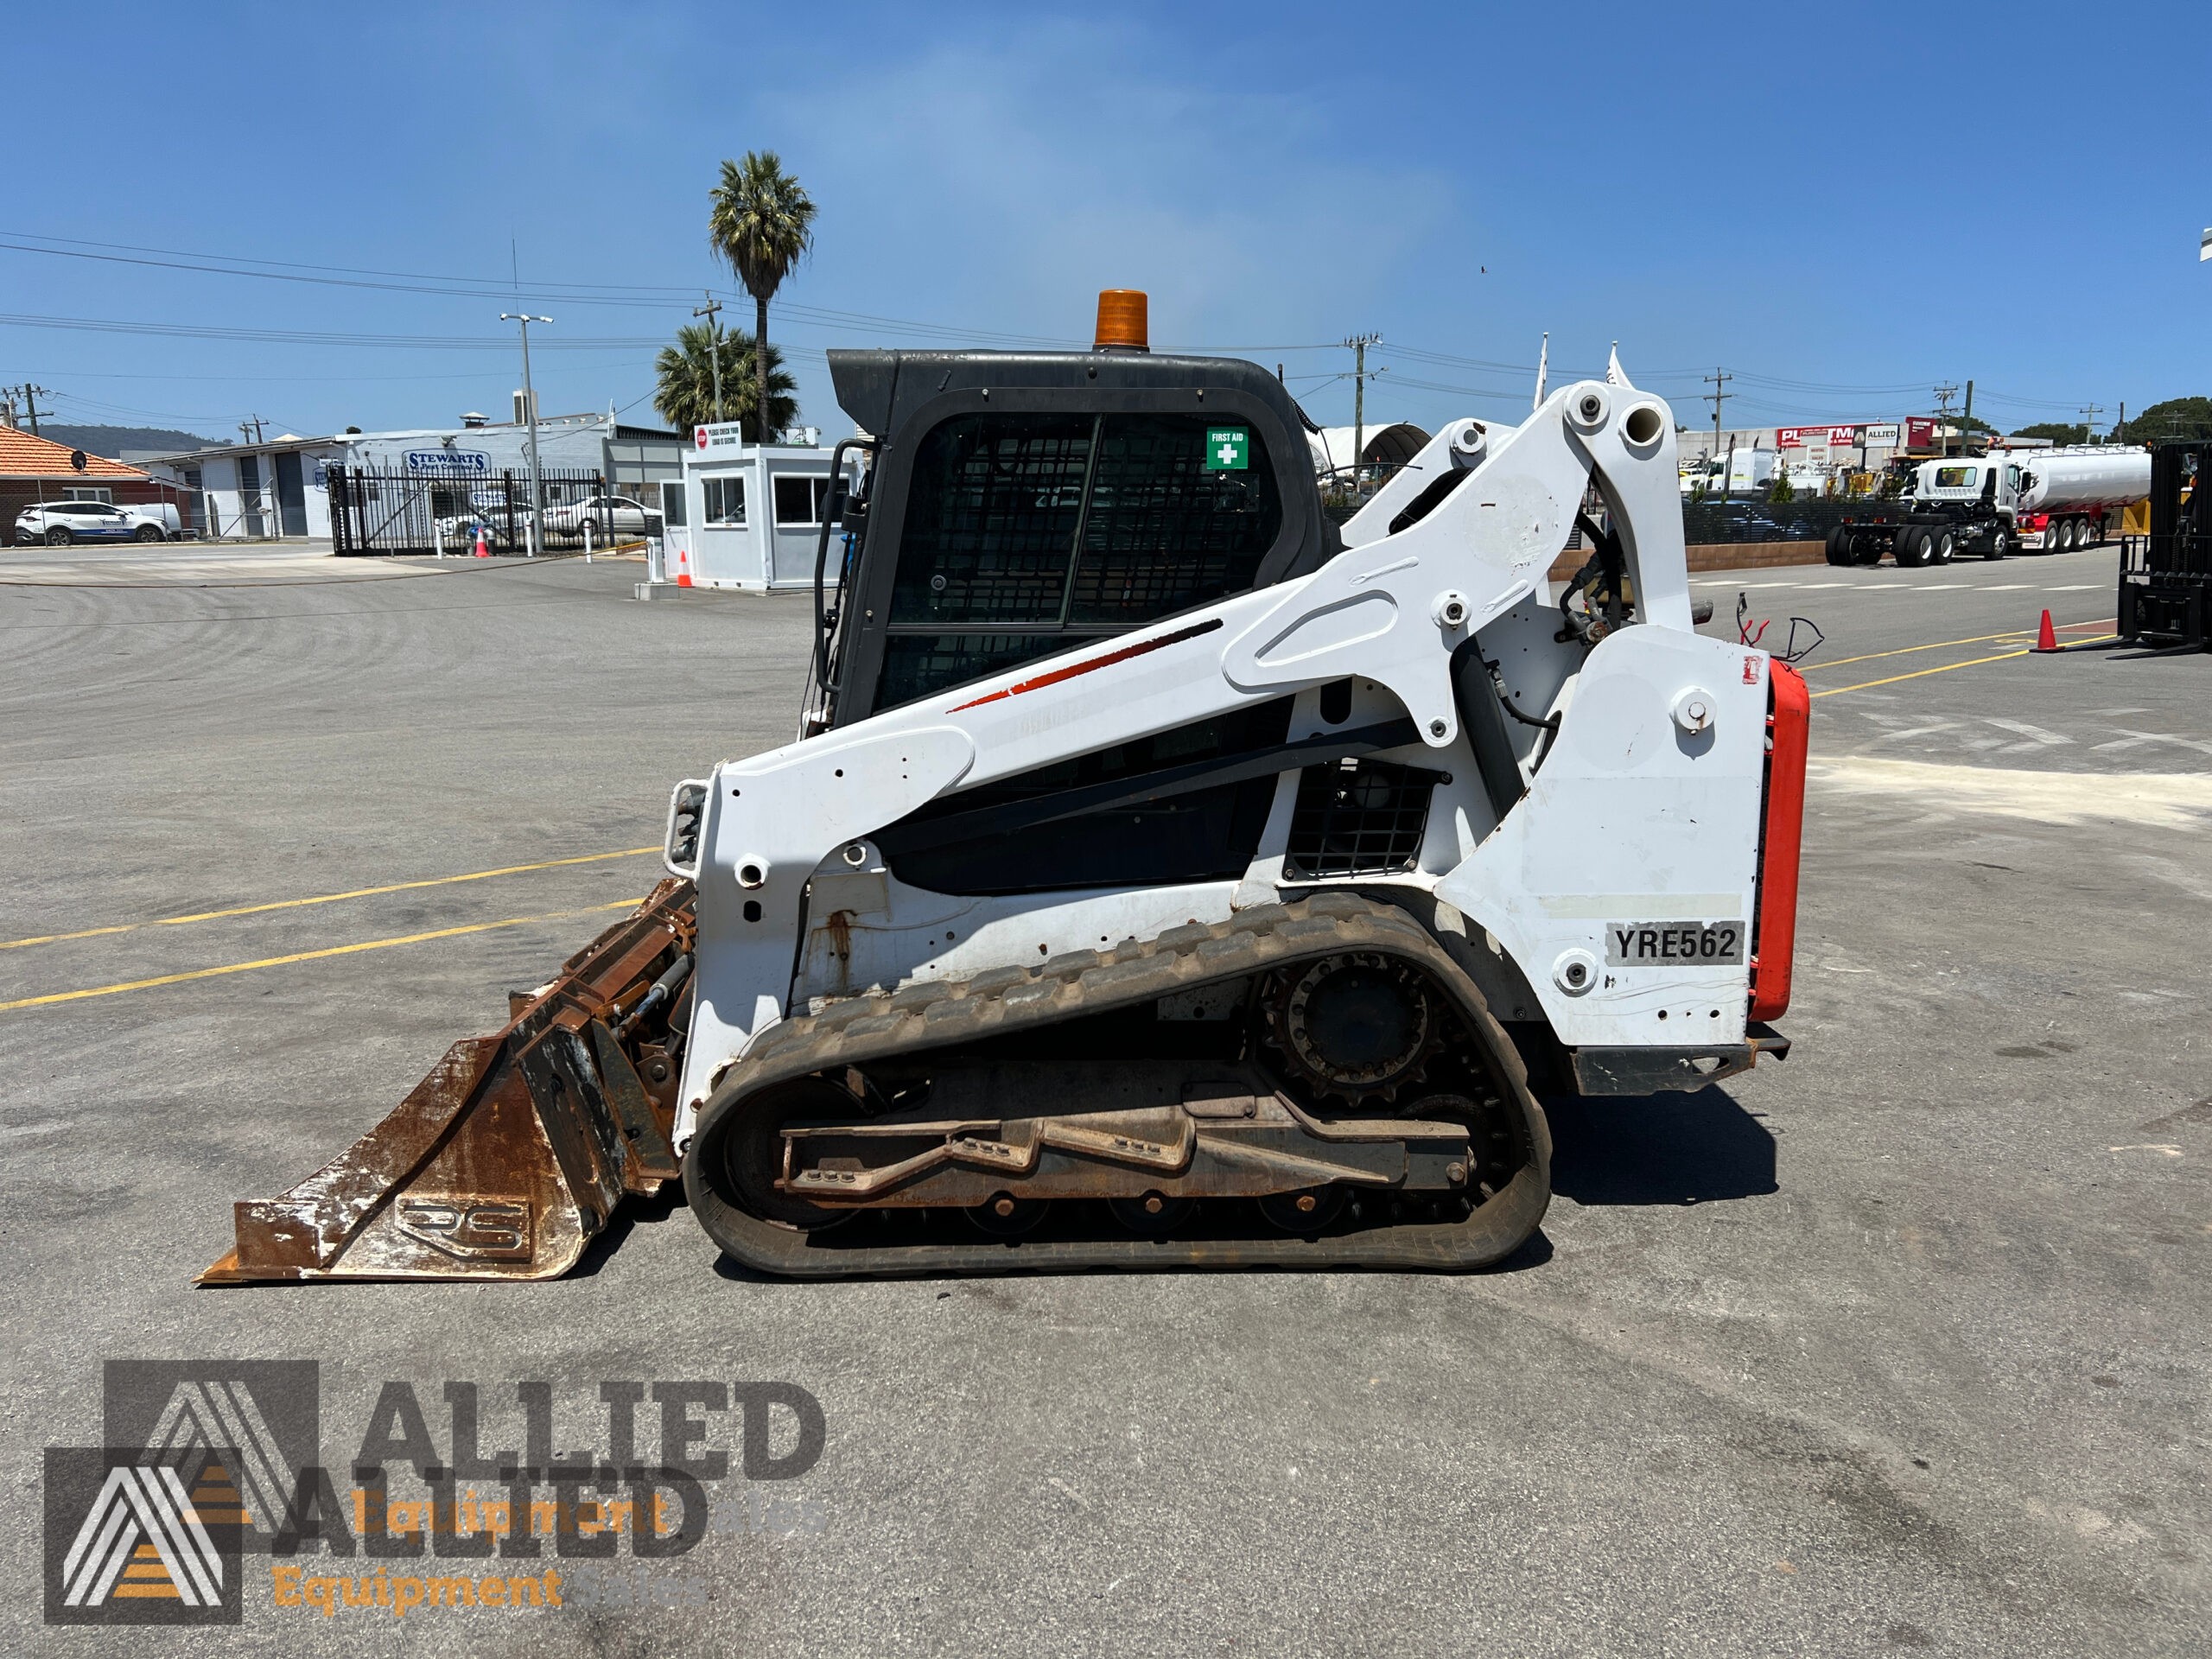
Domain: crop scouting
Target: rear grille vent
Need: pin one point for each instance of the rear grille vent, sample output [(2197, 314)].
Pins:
[(1358, 818)]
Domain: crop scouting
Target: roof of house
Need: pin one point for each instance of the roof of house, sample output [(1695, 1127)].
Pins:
[(22, 455)]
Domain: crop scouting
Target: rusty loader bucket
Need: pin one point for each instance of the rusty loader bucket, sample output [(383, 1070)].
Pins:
[(515, 1150)]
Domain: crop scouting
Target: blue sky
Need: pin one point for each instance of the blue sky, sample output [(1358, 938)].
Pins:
[(1844, 205)]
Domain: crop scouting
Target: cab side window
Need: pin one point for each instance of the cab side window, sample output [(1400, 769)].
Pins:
[(1026, 534)]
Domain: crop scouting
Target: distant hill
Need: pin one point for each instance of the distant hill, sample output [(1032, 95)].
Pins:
[(112, 441)]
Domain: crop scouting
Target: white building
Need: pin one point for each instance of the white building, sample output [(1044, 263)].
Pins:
[(748, 515), (281, 488)]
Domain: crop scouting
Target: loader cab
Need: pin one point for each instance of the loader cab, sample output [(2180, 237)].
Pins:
[(1018, 505)]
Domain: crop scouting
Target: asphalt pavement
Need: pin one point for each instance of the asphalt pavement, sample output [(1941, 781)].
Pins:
[(1899, 1345)]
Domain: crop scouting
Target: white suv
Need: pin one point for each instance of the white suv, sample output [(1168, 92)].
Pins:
[(58, 523)]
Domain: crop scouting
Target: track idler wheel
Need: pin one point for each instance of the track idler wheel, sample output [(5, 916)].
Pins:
[(753, 1151)]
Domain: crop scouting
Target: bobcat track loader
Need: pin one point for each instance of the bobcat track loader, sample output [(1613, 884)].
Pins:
[(1162, 875)]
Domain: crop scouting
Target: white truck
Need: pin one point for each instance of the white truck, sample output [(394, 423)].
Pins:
[(1748, 472), (2057, 499)]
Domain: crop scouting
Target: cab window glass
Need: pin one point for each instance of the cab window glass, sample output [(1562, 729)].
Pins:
[(1954, 478), (1026, 534), (1163, 530), (991, 519)]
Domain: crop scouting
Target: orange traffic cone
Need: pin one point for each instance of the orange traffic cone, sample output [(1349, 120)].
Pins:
[(683, 567), (2046, 636), (484, 552)]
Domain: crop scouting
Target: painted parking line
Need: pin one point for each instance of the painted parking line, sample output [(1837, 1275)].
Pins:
[(1904, 651), (1918, 673), (322, 899), (308, 955), (1946, 668)]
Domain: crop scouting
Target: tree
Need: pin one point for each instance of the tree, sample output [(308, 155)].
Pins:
[(1781, 490), (2178, 417), (684, 376), (762, 222), (2056, 431)]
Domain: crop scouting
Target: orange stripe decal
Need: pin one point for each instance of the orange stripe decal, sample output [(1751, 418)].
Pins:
[(1108, 661)]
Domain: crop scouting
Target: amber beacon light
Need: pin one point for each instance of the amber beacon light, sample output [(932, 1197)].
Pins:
[(1123, 326)]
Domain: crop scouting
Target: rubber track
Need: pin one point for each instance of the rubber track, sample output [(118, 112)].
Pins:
[(938, 1014)]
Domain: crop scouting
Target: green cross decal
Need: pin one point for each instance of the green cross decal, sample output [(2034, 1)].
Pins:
[(1229, 448)]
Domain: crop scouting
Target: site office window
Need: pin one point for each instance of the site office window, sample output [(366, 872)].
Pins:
[(723, 505), (1028, 534), (799, 501), (89, 493)]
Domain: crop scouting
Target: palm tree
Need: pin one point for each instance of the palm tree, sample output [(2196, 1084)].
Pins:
[(762, 224), (685, 372)]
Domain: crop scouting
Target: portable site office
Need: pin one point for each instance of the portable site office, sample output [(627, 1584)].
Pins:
[(744, 515)]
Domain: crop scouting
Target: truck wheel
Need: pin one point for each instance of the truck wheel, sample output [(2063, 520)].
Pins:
[(1838, 545), (1946, 545), (2000, 544), (1914, 548), (1867, 549), (2092, 532)]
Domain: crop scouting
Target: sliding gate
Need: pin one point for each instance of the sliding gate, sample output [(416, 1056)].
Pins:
[(379, 510)]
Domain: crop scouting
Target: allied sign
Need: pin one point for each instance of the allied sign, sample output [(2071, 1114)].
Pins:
[(449, 463), (1229, 448), (1878, 433)]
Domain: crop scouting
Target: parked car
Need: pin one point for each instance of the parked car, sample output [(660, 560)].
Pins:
[(496, 516), (607, 514), (58, 523)]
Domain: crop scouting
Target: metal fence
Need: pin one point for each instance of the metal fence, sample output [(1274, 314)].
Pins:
[(1708, 524), (383, 512)]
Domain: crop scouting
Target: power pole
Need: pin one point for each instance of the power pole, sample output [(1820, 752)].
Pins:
[(530, 403), (1944, 396), (710, 310), (1718, 381), (1359, 343), (2119, 432), (8, 407), (31, 395), (1965, 418), (2089, 413)]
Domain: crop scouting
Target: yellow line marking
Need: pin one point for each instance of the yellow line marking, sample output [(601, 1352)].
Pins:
[(1904, 651), (324, 899), (1838, 690), (310, 956)]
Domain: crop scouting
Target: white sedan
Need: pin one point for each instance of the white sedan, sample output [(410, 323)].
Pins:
[(615, 514)]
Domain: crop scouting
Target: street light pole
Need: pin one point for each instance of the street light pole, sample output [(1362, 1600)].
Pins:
[(529, 407)]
